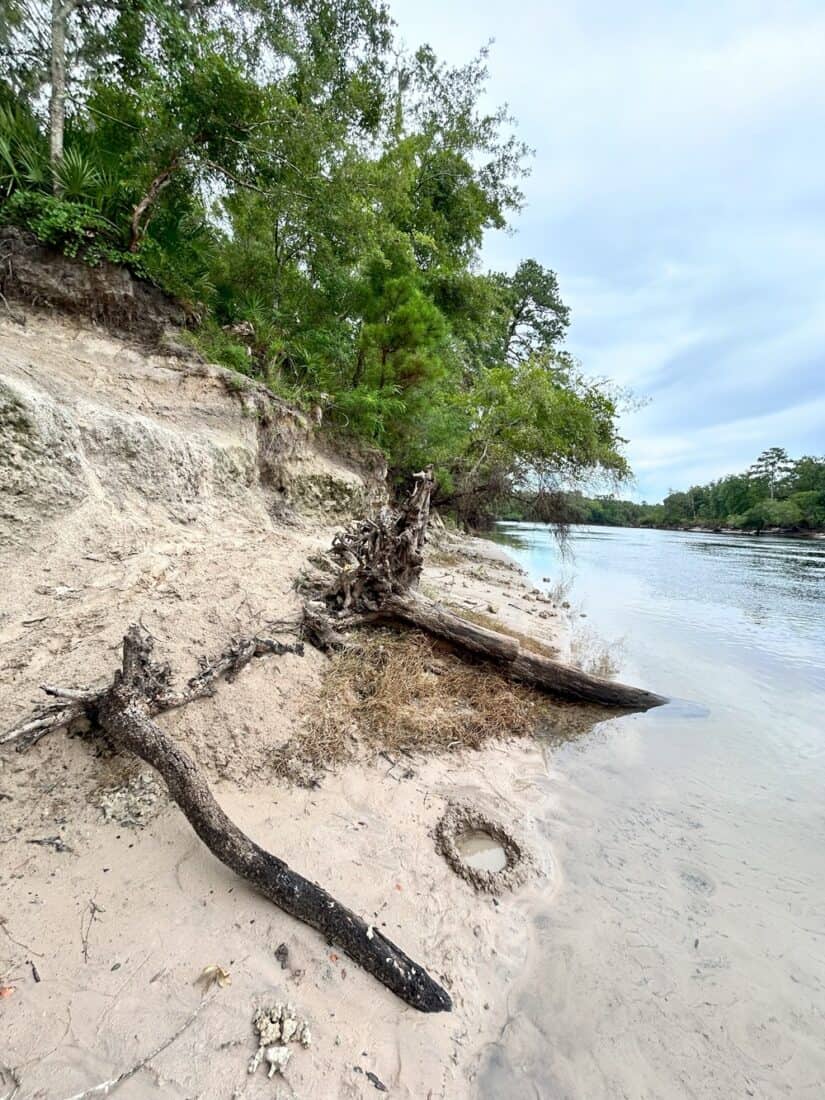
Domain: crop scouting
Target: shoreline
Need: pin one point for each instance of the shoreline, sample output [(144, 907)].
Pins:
[(116, 980), (768, 532)]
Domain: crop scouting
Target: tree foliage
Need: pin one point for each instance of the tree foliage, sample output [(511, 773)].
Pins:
[(289, 172)]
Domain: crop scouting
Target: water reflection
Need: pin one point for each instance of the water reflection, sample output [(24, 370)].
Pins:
[(770, 583)]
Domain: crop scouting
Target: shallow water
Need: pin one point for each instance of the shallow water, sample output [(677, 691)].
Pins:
[(681, 950), (481, 851)]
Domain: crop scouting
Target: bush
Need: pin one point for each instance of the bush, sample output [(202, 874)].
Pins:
[(75, 229), (221, 347), (811, 505), (773, 513)]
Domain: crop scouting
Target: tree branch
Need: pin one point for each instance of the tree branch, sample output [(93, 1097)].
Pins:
[(160, 181), (73, 704), (124, 712)]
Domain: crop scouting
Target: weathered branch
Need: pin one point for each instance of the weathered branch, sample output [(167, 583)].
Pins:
[(228, 663), (73, 704), (124, 712), (47, 718), (124, 715), (554, 677)]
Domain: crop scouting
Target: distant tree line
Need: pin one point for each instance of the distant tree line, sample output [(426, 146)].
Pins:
[(776, 492)]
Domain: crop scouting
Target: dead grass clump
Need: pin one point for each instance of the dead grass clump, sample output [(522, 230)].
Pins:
[(445, 558), (592, 654), (403, 692), (481, 618)]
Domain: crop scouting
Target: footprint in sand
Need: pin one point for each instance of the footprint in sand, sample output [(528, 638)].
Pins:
[(697, 881)]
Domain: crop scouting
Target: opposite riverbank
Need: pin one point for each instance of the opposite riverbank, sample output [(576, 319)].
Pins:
[(773, 532)]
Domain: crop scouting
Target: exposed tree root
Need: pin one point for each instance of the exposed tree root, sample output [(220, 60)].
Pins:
[(378, 565), (68, 705), (375, 567)]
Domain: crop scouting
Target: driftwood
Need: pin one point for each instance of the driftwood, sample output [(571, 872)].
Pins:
[(376, 567), (66, 706), (124, 712), (554, 677), (382, 557)]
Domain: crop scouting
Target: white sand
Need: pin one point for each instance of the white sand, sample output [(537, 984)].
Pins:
[(103, 534)]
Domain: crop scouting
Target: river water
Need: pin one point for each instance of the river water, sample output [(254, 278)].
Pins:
[(680, 951)]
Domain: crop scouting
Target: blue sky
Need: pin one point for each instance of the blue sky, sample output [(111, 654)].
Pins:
[(678, 189)]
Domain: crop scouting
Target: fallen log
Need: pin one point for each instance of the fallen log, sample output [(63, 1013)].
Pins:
[(555, 677), (124, 713), (124, 716)]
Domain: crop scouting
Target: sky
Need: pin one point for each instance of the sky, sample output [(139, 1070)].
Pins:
[(678, 190)]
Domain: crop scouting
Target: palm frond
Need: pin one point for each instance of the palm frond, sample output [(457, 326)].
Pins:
[(78, 177)]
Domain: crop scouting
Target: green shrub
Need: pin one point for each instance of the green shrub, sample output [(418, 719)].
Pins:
[(773, 513), (811, 505), (75, 229), (221, 347)]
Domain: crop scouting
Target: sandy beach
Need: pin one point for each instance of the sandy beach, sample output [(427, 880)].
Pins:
[(119, 920), (112, 908)]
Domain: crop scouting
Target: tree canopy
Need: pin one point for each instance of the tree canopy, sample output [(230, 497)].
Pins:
[(317, 198)]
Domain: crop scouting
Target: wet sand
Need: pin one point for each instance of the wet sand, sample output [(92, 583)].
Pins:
[(683, 952)]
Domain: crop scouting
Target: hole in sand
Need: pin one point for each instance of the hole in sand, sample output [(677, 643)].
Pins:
[(481, 851)]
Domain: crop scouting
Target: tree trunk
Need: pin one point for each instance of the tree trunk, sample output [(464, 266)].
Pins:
[(358, 373), (554, 677), (61, 9), (144, 207), (379, 565), (124, 715)]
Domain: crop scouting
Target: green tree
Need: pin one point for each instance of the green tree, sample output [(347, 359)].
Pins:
[(771, 468), (318, 199), (533, 317), (773, 513), (808, 474)]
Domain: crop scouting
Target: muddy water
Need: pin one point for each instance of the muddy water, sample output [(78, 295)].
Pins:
[(681, 953), (481, 851)]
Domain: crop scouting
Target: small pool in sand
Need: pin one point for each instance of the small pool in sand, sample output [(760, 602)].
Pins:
[(481, 851)]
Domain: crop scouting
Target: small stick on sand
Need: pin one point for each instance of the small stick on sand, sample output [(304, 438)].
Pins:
[(105, 1087)]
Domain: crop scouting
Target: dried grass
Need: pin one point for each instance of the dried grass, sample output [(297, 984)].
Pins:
[(404, 692), (446, 558)]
